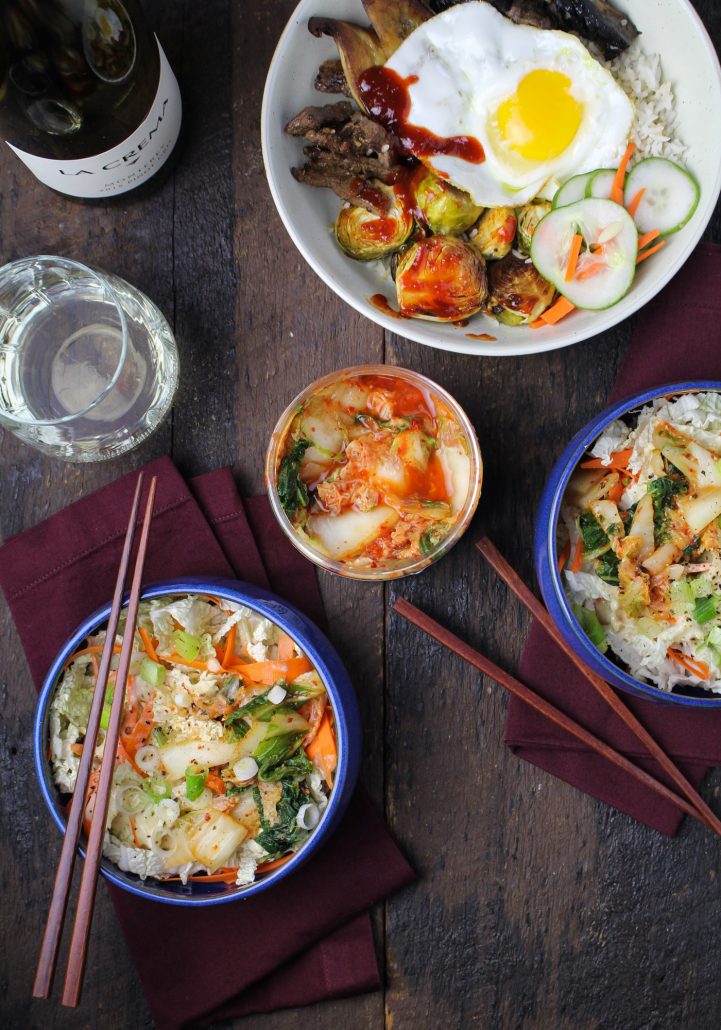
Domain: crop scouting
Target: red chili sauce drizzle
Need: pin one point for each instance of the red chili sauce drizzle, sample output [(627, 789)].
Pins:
[(382, 303), (481, 336), (386, 97)]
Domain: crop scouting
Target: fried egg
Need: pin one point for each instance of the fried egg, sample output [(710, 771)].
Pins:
[(540, 105)]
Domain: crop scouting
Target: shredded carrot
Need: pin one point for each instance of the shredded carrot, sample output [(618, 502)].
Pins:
[(564, 556), (121, 755), (285, 647), (135, 836), (95, 664), (77, 749), (93, 649), (557, 311), (135, 733), (322, 749), (268, 867), (649, 252), (644, 240), (616, 492), (633, 206), (573, 257), (620, 176), (226, 874), (698, 668), (577, 562), (590, 269), (270, 672), (177, 660), (619, 460), (147, 644), (215, 783), (229, 645)]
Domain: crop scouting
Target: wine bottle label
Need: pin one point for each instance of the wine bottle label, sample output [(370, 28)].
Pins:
[(130, 163)]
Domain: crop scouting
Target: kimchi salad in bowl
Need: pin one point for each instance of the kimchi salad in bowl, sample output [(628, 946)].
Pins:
[(639, 543), (227, 750)]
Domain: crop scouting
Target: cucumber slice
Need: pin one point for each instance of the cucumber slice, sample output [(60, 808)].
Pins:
[(602, 276), (600, 183), (572, 190), (671, 195)]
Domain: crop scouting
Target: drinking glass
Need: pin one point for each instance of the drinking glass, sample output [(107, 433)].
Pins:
[(88, 365)]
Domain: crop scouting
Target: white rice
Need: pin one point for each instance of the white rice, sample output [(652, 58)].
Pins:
[(654, 127)]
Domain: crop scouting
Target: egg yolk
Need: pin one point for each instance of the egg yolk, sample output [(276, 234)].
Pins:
[(541, 118)]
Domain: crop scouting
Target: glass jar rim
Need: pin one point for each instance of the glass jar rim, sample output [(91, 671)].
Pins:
[(100, 278)]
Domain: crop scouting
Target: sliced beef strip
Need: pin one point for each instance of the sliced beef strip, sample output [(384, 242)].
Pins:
[(331, 79), (311, 118)]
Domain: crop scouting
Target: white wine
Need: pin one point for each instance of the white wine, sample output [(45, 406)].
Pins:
[(88, 100)]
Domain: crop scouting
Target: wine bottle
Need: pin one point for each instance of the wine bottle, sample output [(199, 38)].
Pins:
[(88, 100)]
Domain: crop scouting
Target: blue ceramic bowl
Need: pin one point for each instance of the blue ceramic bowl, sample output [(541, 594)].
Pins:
[(546, 555), (347, 721)]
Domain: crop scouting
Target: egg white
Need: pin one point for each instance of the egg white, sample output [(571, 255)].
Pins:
[(468, 60)]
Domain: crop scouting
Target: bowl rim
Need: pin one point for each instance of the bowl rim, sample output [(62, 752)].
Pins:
[(415, 329), (416, 565), (549, 512), (331, 670)]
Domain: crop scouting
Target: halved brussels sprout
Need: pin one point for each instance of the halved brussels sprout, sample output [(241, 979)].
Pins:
[(365, 236), (494, 232), (442, 279), (528, 218), (443, 207), (518, 293)]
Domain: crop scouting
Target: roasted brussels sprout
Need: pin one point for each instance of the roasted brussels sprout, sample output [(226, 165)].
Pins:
[(442, 279), (518, 293), (528, 218), (365, 236), (443, 207), (493, 234)]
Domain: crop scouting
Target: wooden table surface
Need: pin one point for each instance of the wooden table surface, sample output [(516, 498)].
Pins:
[(536, 906)]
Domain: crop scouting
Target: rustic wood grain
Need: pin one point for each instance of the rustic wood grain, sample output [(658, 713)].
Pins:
[(537, 907)]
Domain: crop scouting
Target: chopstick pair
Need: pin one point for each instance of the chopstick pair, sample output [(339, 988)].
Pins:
[(63, 878), (690, 802)]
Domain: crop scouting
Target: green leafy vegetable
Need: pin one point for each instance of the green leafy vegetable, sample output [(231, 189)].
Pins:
[(663, 490), (156, 789), (283, 836), (292, 491), (704, 609), (595, 539), (607, 568), (432, 537), (273, 751), (296, 768)]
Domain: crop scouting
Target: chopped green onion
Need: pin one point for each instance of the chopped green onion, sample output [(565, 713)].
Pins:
[(714, 638), (187, 646), (682, 591), (156, 789), (701, 586), (194, 783), (704, 609), (152, 672), (160, 736)]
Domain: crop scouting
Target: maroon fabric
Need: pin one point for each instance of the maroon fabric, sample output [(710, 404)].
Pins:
[(678, 339), (307, 939)]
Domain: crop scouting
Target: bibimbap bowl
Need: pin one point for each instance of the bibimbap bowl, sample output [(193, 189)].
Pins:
[(266, 609), (673, 605)]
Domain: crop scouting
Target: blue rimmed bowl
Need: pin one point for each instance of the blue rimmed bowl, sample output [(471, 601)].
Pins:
[(345, 710), (546, 552)]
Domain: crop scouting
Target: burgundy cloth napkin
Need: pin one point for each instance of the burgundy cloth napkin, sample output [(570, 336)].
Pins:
[(678, 339), (307, 939)]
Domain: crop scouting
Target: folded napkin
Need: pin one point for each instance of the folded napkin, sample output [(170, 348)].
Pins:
[(307, 939), (678, 339)]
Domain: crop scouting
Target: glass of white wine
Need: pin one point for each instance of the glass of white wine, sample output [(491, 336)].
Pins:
[(88, 365)]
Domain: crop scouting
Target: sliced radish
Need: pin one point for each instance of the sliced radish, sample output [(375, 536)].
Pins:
[(670, 195), (601, 183), (607, 262), (572, 190)]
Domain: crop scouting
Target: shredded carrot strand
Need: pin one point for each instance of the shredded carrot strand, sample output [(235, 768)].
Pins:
[(268, 867), (215, 783), (323, 750), (649, 252), (229, 645), (147, 644), (647, 237), (619, 460), (93, 649), (616, 492), (590, 269), (557, 311), (573, 257), (77, 749), (620, 176), (564, 556), (633, 206), (694, 665), (285, 647), (577, 562), (175, 659)]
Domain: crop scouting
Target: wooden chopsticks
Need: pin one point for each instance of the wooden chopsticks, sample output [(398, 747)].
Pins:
[(58, 904), (514, 582), (485, 665)]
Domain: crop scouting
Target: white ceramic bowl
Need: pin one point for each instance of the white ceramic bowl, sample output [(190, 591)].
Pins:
[(670, 28)]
